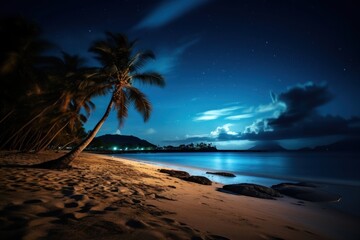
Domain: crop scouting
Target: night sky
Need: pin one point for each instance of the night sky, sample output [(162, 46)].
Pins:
[(237, 72)]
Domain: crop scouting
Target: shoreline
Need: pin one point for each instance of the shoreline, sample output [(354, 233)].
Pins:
[(336, 182), (132, 200)]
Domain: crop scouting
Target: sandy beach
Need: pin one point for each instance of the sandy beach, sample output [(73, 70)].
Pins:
[(103, 197)]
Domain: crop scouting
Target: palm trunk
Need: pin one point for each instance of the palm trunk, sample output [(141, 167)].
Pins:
[(64, 161)]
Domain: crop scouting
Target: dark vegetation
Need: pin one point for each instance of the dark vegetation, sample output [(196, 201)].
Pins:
[(119, 143), (45, 100)]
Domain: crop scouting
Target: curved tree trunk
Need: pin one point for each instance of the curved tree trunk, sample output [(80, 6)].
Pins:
[(64, 161)]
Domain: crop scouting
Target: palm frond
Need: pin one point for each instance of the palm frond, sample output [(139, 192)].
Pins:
[(152, 78), (140, 101), (140, 59), (121, 106)]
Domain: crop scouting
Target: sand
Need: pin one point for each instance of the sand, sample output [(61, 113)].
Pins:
[(103, 197)]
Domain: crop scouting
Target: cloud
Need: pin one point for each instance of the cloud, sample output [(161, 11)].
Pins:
[(316, 126), (260, 125), (221, 133), (301, 102), (300, 118), (271, 107), (150, 131), (225, 129), (167, 60), (215, 114), (240, 116), (167, 11)]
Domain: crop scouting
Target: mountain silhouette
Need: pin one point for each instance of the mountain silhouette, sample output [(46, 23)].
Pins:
[(267, 146), (342, 145), (111, 141)]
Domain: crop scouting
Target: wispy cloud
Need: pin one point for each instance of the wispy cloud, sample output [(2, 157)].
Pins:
[(150, 131), (265, 108), (196, 135), (167, 11), (167, 60), (240, 116), (215, 114)]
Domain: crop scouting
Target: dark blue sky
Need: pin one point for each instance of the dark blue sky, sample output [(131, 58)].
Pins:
[(237, 71)]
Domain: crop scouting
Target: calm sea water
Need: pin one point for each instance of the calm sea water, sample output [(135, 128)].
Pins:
[(342, 168), (336, 172)]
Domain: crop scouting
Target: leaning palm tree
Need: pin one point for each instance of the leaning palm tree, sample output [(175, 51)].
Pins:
[(120, 69)]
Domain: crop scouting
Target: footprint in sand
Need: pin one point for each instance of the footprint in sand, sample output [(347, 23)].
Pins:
[(269, 237), (79, 197), (52, 213), (111, 208), (68, 190), (32, 201), (133, 223), (71, 205)]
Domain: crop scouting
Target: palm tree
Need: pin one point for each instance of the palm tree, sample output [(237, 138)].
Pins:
[(120, 69), (58, 106)]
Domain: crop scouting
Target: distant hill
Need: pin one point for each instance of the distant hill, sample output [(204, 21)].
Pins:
[(267, 146), (343, 145), (116, 142)]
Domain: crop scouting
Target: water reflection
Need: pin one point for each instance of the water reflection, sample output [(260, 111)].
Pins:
[(281, 165)]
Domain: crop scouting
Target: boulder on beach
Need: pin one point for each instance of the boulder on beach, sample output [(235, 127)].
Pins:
[(175, 173), (224, 174), (186, 176), (198, 179), (252, 190), (307, 192)]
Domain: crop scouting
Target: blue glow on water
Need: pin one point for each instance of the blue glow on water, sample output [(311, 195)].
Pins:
[(341, 168)]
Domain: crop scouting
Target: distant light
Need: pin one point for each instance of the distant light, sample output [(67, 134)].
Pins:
[(114, 148), (141, 149)]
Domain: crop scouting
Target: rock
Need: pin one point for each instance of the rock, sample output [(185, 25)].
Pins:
[(134, 223), (199, 179), (186, 176), (252, 190), (175, 173), (224, 174), (306, 191)]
